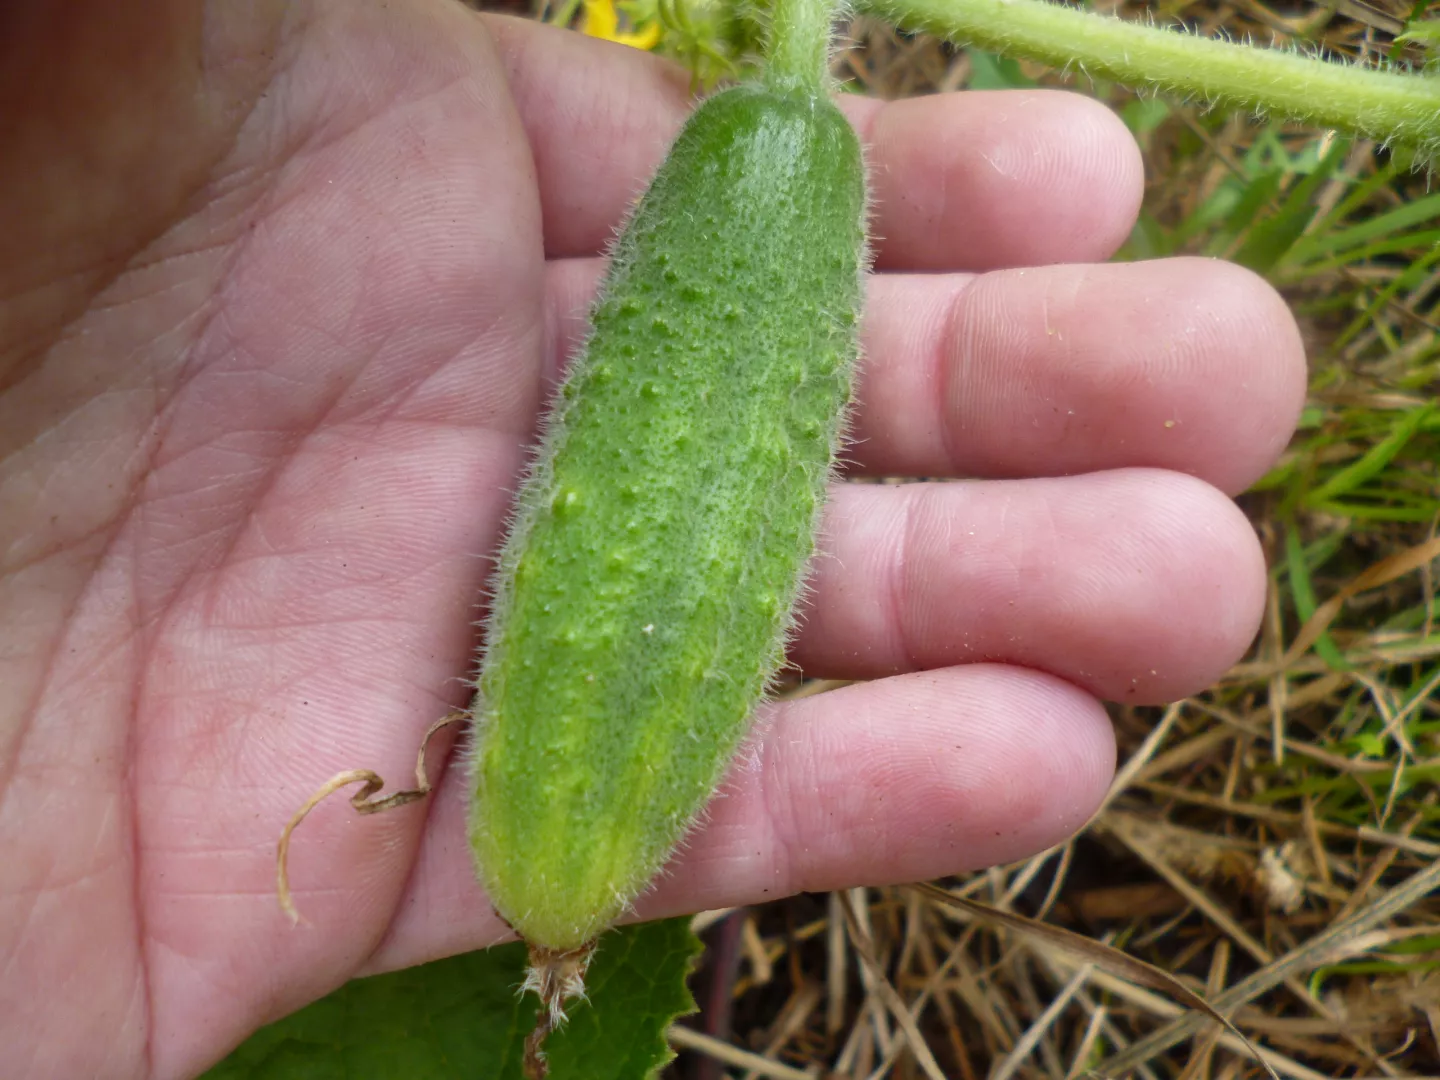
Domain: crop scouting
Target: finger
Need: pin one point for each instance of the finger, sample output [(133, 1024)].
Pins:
[(1186, 364), (981, 180), (902, 780), (964, 181), (1137, 585)]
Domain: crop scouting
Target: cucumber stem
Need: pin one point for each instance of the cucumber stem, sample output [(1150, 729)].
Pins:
[(1384, 105), (797, 53), (557, 977)]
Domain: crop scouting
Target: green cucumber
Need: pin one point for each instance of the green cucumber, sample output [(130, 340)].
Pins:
[(648, 584)]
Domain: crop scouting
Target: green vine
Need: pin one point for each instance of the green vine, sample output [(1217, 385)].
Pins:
[(1392, 105), (1389, 106)]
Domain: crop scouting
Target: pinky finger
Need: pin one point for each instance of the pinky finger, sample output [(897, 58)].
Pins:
[(903, 779)]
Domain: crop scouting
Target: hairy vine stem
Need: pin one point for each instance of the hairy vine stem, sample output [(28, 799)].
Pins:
[(797, 52), (1390, 106)]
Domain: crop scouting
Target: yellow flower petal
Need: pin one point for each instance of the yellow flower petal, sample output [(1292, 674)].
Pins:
[(647, 37), (603, 21)]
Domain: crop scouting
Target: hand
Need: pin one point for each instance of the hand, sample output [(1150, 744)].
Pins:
[(282, 288)]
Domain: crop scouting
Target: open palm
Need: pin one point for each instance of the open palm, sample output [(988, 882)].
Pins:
[(282, 289)]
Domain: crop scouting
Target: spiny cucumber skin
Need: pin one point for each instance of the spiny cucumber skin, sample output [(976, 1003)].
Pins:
[(645, 593)]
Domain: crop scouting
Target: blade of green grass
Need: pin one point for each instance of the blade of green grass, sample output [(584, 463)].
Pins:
[(1408, 216), (1373, 462), (1304, 595), (1270, 239)]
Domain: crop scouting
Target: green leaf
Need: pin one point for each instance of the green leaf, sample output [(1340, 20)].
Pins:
[(1370, 745), (1149, 239), (1144, 115), (463, 1017), (1425, 32), (991, 72)]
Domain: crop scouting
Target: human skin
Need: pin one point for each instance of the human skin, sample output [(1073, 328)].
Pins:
[(283, 287)]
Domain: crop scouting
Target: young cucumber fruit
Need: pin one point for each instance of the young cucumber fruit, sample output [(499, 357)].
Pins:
[(645, 593)]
